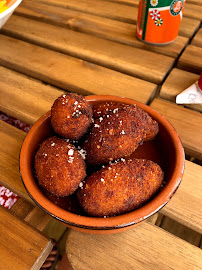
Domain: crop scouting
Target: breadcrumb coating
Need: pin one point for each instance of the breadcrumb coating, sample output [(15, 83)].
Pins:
[(120, 187), (116, 135), (108, 108), (71, 116), (59, 166)]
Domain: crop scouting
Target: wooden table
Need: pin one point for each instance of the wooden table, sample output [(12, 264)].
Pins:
[(49, 47)]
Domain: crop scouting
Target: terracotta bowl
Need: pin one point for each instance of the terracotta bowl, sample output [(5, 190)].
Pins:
[(166, 149)]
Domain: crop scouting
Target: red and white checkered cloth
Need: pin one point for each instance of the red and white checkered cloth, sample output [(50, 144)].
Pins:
[(7, 197)]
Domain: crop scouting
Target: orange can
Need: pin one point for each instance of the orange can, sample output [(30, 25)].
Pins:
[(159, 20)]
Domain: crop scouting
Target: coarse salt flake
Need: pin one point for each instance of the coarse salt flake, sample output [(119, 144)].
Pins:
[(115, 110), (81, 185), (96, 125), (52, 144), (71, 159), (83, 153), (70, 152), (102, 180)]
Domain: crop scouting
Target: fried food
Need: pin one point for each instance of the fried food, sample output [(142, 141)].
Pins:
[(152, 131), (59, 166), (107, 108), (71, 116), (116, 135), (120, 187)]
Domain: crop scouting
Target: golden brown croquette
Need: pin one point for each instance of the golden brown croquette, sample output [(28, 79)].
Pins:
[(116, 135), (59, 166), (120, 187), (107, 108), (152, 131), (71, 116)]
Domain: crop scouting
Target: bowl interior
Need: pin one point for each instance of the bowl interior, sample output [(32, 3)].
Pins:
[(165, 149)]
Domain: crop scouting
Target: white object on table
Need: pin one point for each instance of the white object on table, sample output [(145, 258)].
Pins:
[(192, 95)]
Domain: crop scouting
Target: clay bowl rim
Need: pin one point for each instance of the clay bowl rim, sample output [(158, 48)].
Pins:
[(101, 223)]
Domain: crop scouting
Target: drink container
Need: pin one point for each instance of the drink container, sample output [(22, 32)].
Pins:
[(159, 20)]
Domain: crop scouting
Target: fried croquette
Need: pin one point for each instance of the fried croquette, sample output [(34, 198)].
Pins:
[(120, 187), (71, 116), (59, 166), (116, 135), (152, 131), (107, 108)]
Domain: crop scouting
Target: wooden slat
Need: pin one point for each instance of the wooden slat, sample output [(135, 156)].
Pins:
[(190, 60), (32, 215), (99, 26), (55, 230), (181, 231), (37, 218), (100, 8), (11, 141), (82, 45), (197, 40), (185, 205), (21, 208), (193, 8), (153, 219), (115, 56), (188, 27), (22, 247), (159, 219), (186, 122), (115, 11), (195, 2), (144, 247), (192, 11), (15, 87), (70, 73), (177, 81), (25, 98), (126, 2)]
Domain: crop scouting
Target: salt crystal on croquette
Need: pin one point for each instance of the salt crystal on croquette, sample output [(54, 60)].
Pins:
[(128, 186), (70, 152), (59, 166)]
